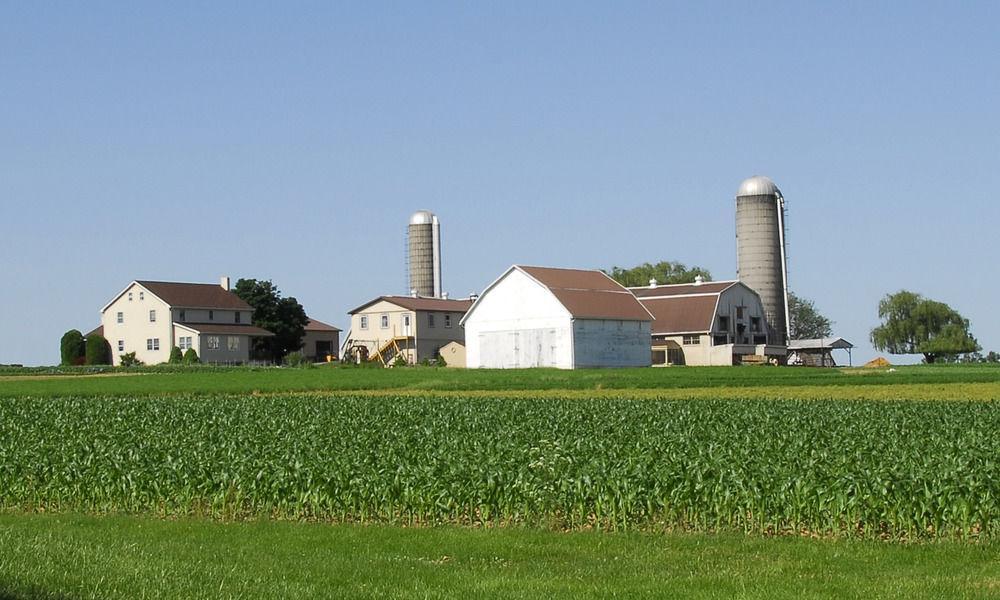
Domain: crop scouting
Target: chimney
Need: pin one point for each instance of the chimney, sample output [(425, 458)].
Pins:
[(652, 282), (444, 295), (413, 293), (698, 280), (473, 296), (224, 282)]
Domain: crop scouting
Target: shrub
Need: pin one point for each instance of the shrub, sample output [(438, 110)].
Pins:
[(399, 361), (129, 360), (191, 357), (294, 359), (98, 350), (72, 347), (176, 356)]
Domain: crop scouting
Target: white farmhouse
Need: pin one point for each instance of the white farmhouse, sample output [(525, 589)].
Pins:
[(708, 323), (413, 327), (564, 318), (151, 317)]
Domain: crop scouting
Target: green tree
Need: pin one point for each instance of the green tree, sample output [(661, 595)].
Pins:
[(806, 322), (912, 324), (72, 348), (98, 350), (190, 357), (664, 272), (284, 317), (176, 356)]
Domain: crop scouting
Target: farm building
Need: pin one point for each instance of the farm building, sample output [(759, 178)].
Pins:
[(817, 352), (151, 317), (453, 354), (708, 323), (321, 340), (565, 318), (414, 327)]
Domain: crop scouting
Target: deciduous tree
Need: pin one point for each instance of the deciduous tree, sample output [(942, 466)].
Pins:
[(912, 324), (284, 317), (806, 322), (664, 272)]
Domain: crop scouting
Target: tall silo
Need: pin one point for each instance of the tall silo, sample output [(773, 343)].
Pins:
[(760, 250), (424, 245)]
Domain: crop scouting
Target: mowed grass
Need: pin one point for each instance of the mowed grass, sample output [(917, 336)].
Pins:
[(159, 381), (118, 557)]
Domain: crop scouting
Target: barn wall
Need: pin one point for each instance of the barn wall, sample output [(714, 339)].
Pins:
[(611, 343), (518, 323)]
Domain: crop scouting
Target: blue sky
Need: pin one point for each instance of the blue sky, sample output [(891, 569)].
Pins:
[(292, 141)]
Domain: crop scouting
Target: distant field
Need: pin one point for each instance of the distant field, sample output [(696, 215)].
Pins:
[(158, 381)]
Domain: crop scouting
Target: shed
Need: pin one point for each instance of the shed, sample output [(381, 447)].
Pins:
[(550, 317), (817, 352)]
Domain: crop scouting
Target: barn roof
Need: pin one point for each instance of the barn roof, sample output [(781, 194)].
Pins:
[(683, 308), (189, 295), (586, 294)]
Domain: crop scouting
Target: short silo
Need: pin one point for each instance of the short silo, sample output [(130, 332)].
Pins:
[(760, 250), (424, 246)]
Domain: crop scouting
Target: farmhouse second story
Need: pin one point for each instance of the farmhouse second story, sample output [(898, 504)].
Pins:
[(151, 317)]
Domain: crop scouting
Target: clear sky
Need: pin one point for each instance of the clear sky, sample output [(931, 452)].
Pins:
[(291, 142)]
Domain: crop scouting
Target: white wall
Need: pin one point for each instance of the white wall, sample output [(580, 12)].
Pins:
[(519, 323), (611, 343), (136, 327)]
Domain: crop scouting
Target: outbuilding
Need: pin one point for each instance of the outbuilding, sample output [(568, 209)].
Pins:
[(563, 318)]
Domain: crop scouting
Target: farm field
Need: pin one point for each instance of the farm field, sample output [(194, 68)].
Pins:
[(807, 480), (121, 558)]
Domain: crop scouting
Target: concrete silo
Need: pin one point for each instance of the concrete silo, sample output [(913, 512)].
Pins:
[(424, 250), (760, 250)]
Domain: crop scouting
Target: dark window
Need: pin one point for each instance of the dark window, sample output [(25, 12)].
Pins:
[(181, 316), (755, 324), (739, 312), (211, 315), (237, 316), (720, 340), (724, 323)]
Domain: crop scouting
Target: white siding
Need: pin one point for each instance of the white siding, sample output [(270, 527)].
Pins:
[(136, 327), (519, 323)]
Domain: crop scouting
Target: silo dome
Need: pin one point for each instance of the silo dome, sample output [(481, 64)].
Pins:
[(422, 217), (758, 185)]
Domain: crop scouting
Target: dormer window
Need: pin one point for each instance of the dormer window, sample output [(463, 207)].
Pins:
[(211, 315), (237, 316), (181, 316)]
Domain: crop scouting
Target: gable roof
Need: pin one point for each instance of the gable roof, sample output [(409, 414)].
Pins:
[(585, 293), (314, 325), (195, 295), (835, 343), (188, 295), (419, 303), (684, 307)]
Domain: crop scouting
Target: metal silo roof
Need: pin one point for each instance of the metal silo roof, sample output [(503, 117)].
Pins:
[(422, 217), (758, 185)]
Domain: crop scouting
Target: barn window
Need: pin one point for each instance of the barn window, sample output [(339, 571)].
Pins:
[(692, 340)]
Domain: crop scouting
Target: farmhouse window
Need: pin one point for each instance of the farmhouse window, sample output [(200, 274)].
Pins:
[(121, 317), (430, 319), (213, 342), (233, 342), (181, 317), (152, 316), (447, 320), (121, 345), (237, 316), (692, 340), (211, 315), (130, 296), (384, 322), (364, 321)]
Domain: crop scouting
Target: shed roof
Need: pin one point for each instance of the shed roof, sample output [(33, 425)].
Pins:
[(314, 325), (834, 343), (684, 307), (682, 289), (226, 329), (420, 303)]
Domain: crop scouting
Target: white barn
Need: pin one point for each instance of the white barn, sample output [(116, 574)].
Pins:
[(564, 318)]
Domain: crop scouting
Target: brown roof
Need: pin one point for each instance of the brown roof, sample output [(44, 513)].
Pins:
[(682, 289), (195, 295), (589, 294), (420, 303), (227, 329), (314, 325), (99, 330), (682, 314)]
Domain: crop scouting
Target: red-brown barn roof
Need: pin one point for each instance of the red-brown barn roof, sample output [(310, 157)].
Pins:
[(589, 294), (420, 303)]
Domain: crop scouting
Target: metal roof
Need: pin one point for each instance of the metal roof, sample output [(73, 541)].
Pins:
[(835, 343), (422, 217), (758, 185)]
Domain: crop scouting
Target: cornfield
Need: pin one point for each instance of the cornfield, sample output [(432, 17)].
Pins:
[(886, 468)]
